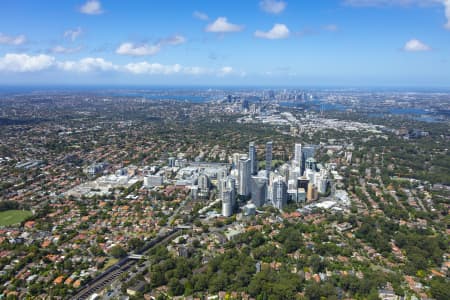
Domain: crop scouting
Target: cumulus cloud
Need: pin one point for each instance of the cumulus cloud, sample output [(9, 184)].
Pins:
[(200, 15), (88, 64), (73, 34), (272, 6), (221, 25), (149, 50), (152, 68), (415, 45), (92, 7), (12, 40), (135, 50), (63, 50), (147, 68), (12, 62), (278, 31)]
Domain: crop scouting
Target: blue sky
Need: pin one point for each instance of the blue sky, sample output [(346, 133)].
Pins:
[(233, 42)]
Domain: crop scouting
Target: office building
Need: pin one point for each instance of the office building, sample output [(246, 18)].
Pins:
[(235, 159), (303, 183), (268, 158), (222, 174), (244, 177), (253, 159), (259, 190), (171, 162), (301, 195), (311, 164), (284, 171), (311, 193), (227, 204), (194, 192), (322, 181), (292, 195), (307, 152), (298, 155), (294, 173), (152, 181), (228, 196), (279, 193), (309, 174), (203, 182)]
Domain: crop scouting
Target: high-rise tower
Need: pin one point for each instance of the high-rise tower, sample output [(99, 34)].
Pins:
[(279, 193), (307, 152), (259, 190), (298, 155), (253, 159), (244, 177), (268, 158)]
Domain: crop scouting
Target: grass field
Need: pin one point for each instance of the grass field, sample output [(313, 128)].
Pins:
[(12, 217)]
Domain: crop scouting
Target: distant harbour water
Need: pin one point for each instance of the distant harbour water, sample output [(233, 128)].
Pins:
[(414, 113)]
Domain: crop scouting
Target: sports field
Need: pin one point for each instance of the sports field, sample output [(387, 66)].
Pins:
[(12, 217)]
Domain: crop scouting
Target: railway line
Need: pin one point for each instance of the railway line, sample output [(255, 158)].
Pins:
[(112, 273)]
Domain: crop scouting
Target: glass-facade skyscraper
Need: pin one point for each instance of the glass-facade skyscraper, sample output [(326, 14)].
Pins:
[(268, 158), (253, 159)]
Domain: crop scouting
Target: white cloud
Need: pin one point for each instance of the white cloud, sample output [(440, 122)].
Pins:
[(278, 31), (87, 64), (225, 71), (148, 50), (134, 50), (447, 13), (146, 68), (272, 6), (12, 40), (415, 45), (201, 16), (173, 40), (63, 50), (152, 68), (92, 7), (13, 62), (73, 34), (331, 27), (221, 25)]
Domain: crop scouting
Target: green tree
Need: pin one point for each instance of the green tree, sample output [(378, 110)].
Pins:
[(439, 288), (175, 287), (117, 252)]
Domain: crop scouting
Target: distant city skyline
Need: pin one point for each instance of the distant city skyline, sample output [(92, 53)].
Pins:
[(237, 43)]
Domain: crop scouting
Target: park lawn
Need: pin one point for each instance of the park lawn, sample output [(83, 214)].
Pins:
[(12, 217)]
